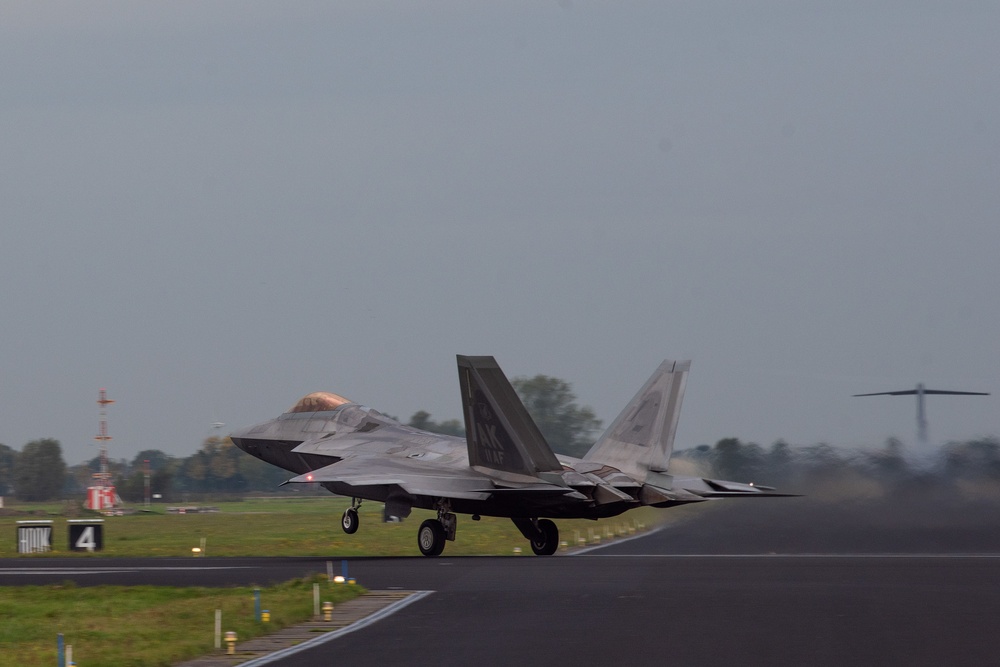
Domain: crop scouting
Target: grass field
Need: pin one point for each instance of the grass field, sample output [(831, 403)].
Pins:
[(303, 527), (117, 626)]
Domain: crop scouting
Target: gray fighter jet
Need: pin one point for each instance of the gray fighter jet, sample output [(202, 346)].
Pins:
[(503, 467)]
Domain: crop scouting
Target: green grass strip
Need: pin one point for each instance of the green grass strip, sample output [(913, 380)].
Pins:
[(129, 626), (311, 527)]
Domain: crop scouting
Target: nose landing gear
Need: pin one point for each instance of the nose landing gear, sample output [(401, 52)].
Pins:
[(350, 521)]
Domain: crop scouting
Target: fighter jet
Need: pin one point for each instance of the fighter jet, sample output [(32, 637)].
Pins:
[(503, 467)]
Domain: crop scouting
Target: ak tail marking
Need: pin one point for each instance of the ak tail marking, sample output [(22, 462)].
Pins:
[(498, 429)]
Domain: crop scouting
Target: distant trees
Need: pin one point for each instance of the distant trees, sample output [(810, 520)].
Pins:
[(801, 468), (39, 471), (734, 460), (130, 480), (422, 419), (218, 467), (7, 458), (978, 458), (568, 428)]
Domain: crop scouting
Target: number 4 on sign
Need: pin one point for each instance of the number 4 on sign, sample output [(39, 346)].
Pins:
[(86, 540)]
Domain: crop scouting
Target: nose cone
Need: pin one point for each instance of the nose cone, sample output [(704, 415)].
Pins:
[(245, 438)]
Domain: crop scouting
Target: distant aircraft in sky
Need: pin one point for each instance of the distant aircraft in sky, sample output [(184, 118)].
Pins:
[(503, 467), (920, 392)]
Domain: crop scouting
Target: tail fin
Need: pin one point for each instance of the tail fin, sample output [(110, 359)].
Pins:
[(498, 429), (642, 437)]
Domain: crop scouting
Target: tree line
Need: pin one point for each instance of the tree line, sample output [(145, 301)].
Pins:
[(967, 467), (38, 472)]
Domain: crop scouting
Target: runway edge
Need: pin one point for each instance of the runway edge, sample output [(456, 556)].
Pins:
[(352, 615)]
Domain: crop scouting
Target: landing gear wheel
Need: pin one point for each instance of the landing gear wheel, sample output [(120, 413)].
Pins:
[(548, 542), (430, 537), (350, 521)]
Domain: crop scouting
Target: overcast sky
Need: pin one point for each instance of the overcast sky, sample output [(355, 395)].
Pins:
[(212, 209)]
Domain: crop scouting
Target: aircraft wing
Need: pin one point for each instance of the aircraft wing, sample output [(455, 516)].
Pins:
[(415, 477), (420, 478), (911, 392)]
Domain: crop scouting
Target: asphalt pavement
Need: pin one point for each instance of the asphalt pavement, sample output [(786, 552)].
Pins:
[(759, 582)]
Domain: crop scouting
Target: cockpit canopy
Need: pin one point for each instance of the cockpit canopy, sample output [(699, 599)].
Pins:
[(319, 401)]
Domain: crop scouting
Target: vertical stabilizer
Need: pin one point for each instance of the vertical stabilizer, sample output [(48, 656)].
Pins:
[(498, 429), (642, 437)]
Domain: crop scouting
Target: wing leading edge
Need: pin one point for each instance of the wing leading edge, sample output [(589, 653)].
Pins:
[(413, 477)]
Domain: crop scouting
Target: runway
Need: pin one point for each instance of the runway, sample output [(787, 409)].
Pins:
[(673, 597)]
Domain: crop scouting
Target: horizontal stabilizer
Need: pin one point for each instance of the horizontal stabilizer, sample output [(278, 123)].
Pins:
[(744, 494), (718, 488), (654, 495)]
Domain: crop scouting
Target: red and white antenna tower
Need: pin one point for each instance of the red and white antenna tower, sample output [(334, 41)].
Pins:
[(102, 495), (102, 437)]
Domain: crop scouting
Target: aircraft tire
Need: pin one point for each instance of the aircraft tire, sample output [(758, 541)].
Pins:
[(549, 542), (430, 537), (350, 521)]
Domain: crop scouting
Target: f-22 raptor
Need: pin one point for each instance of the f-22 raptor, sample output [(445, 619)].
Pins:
[(503, 467)]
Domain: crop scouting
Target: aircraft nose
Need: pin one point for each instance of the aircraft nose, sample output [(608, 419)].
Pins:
[(249, 438), (239, 437)]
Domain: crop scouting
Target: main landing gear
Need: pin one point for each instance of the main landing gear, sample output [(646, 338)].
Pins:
[(434, 532), (542, 533), (350, 521)]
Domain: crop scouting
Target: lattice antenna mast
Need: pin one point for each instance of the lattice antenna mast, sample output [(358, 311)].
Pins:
[(104, 476)]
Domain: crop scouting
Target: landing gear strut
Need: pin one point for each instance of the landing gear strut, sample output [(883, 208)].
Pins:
[(434, 532), (350, 521), (542, 533)]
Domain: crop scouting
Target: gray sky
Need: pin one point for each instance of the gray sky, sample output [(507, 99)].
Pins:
[(213, 209)]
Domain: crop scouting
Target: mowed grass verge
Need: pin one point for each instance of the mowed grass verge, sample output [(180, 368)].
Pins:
[(311, 527), (127, 626)]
